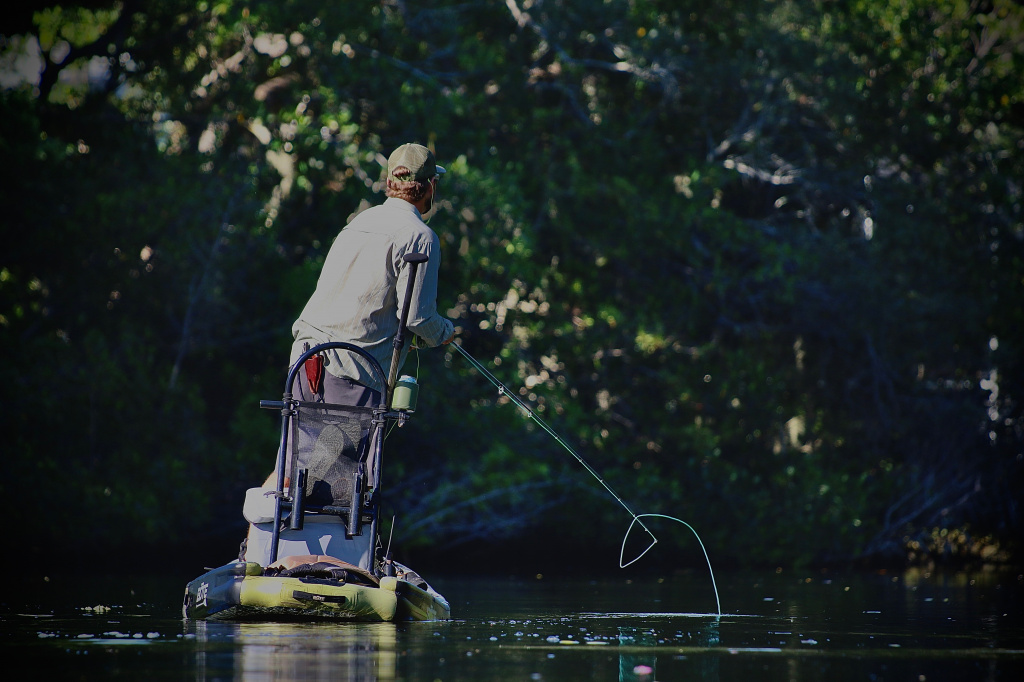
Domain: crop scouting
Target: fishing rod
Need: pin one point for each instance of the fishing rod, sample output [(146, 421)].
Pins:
[(504, 391)]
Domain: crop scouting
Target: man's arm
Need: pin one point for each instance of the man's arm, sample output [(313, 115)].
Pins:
[(424, 320)]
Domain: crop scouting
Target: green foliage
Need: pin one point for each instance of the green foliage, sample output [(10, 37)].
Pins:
[(761, 263)]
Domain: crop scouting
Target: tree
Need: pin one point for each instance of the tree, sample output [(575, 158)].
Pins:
[(759, 262)]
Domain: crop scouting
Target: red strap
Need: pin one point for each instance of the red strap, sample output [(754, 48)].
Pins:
[(314, 372)]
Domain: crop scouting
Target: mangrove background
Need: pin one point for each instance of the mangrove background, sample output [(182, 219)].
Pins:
[(760, 262)]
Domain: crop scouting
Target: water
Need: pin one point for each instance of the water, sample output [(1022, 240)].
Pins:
[(915, 626)]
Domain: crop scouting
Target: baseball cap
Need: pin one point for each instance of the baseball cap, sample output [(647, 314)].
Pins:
[(417, 159)]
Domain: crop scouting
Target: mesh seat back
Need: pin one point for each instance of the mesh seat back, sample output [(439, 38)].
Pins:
[(332, 443)]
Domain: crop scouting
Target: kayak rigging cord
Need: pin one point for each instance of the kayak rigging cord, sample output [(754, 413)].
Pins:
[(503, 390)]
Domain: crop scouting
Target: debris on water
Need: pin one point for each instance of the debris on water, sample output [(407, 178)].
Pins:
[(96, 609)]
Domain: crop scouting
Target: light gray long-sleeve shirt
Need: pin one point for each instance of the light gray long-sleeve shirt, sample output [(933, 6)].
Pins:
[(361, 289)]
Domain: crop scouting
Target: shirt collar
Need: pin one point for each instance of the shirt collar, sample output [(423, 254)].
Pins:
[(395, 203)]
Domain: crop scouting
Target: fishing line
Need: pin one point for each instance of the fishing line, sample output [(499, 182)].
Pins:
[(636, 520), (503, 390)]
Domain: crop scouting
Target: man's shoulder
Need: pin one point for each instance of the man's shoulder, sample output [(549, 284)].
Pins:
[(405, 219), (397, 219), (391, 211), (368, 215)]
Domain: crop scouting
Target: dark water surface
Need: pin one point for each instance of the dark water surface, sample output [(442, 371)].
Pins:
[(915, 626)]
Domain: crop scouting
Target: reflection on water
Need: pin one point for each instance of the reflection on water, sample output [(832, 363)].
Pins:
[(387, 651), (775, 627), (294, 651), (634, 663), (638, 647)]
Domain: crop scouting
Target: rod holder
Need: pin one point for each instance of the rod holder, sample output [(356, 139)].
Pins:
[(299, 502)]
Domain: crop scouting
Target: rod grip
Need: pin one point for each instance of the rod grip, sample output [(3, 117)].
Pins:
[(299, 503), (414, 260)]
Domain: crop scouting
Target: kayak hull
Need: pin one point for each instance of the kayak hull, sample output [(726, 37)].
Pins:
[(240, 591)]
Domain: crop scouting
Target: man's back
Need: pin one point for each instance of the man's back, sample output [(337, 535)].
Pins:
[(356, 297)]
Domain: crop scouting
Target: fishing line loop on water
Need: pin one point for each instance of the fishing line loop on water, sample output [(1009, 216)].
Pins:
[(636, 520), (504, 391)]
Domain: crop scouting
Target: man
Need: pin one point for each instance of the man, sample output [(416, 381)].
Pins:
[(358, 299), (358, 296)]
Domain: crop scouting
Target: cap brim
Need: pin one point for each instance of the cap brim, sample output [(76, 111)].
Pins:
[(440, 169)]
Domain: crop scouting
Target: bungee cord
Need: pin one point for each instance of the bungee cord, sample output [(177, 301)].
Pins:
[(504, 391)]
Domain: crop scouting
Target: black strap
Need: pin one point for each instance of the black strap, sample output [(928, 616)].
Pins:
[(319, 598)]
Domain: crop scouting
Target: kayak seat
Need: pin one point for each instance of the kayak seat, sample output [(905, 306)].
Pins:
[(332, 443)]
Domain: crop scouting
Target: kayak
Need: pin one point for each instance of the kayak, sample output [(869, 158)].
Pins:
[(312, 547), (312, 587)]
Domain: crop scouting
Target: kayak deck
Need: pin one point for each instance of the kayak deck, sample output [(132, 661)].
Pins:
[(240, 591)]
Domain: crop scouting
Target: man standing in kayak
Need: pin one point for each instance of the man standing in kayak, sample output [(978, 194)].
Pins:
[(356, 299), (357, 296)]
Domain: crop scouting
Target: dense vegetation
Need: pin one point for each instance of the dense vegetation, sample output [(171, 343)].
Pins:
[(760, 262)]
